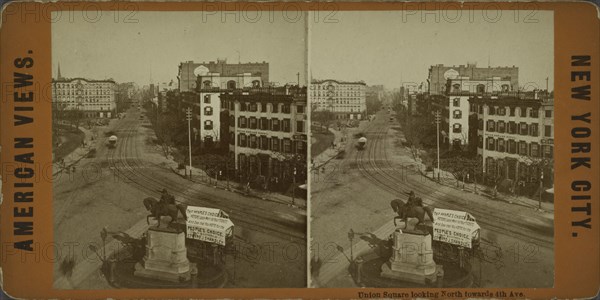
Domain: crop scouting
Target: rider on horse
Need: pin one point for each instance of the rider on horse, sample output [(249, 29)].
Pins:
[(166, 198)]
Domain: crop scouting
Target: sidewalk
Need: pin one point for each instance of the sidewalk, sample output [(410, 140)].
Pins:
[(330, 153), (199, 176), (79, 153), (449, 180)]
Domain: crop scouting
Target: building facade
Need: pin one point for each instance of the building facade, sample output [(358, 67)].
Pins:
[(347, 100), (188, 72), (93, 98), (515, 138), (439, 74), (268, 132), (456, 108)]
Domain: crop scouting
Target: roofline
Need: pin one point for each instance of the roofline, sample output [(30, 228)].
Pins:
[(80, 78)]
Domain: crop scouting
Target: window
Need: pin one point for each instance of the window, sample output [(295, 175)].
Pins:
[(286, 125), (263, 107), (231, 85), (287, 146), (264, 142), (512, 146), (456, 102), (242, 122), (490, 144), (522, 148), (481, 109), (512, 127), (256, 83), (548, 151), (285, 109), (501, 145), (274, 144), (505, 87), (523, 112), (231, 138), (252, 107), (501, 126), (242, 141), (208, 111), (456, 87), (232, 121), (491, 126), (548, 131), (480, 124), (523, 128), (299, 126), (512, 111), (480, 88), (534, 113), (252, 143), (275, 124), (457, 128), (533, 129), (252, 123), (275, 108), (548, 114), (501, 111), (457, 114), (243, 106), (492, 110), (535, 150), (208, 125), (300, 109), (480, 142)]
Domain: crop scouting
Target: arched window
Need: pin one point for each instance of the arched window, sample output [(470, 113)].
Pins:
[(256, 83), (481, 88), (231, 85), (457, 128), (207, 84), (456, 87), (505, 87), (457, 114), (208, 111), (208, 125), (456, 102)]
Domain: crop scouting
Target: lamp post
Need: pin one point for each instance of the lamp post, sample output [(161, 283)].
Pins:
[(188, 113), (437, 122), (293, 186)]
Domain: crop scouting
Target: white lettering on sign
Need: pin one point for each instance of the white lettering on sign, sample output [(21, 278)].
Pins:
[(208, 224), (454, 227)]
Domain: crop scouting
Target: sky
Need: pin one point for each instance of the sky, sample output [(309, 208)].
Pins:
[(150, 45), (392, 47)]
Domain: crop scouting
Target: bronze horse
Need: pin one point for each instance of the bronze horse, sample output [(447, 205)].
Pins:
[(157, 210), (414, 210)]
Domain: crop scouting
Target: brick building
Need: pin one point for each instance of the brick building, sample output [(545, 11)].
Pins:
[(345, 99), (93, 98)]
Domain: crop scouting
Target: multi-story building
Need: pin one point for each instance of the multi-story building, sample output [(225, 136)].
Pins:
[(346, 99), (439, 74), (515, 137), (268, 132), (207, 105), (188, 71), (455, 106), (93, 98)]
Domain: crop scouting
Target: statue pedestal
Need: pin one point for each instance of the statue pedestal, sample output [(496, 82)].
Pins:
[(166, 256), (412, 259)]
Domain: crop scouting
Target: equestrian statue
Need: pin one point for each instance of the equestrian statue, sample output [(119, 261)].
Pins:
[(413, 208), (164, 207)]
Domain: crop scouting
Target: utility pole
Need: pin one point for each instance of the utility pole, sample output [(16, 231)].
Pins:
[(437, 122), (298, 75), (188, 114)]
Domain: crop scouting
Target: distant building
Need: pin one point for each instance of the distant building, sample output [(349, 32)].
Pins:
[(439, 74), (188, 71), (268, 132), (94, 98), (346, 99), (515, 137)]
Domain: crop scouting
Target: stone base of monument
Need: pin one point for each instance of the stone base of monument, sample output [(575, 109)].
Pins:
[(166, 256), (412, 258)]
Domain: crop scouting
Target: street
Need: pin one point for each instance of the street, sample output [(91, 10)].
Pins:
[(355, 192), (107, 191)]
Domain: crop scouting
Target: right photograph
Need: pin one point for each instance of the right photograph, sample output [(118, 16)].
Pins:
[(432, 136)]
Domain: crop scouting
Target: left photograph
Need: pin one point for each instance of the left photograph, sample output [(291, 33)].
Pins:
[(179, 150)]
